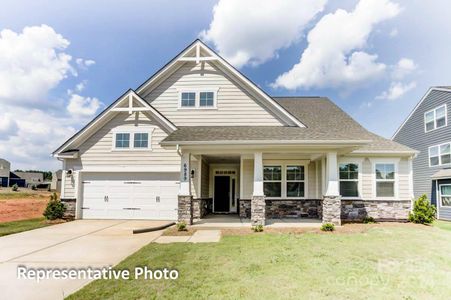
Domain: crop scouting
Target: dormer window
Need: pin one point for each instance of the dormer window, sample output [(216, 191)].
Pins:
[(435, 118), (198, 99)]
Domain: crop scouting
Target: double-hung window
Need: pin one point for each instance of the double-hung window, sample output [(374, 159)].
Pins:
[(272, 181), (295, 181), (385, 179), (349, 179), (440, 155), (435, 118), (198, 99), (445, 195)]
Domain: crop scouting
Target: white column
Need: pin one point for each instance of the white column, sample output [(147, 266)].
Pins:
[(185, 186), (258, 174), (332, 174)]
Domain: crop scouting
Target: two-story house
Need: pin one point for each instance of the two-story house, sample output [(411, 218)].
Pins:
[(427, 130), (198, 133)]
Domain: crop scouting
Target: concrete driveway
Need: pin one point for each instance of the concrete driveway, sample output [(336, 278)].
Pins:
[(78, 244)]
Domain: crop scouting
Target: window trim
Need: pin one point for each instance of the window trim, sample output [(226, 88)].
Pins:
[(197, 92), (276, 181), (132, 132), (439, 156), (440, 195), (435, 119), (129, 141), (395, 162), (283, 165), (359, 163)]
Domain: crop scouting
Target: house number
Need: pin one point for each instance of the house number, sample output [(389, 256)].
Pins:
[(185, 172)]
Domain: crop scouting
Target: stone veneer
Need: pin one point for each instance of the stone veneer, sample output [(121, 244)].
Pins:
[(185, 210), (70, 204), (258, 207), (245, 208), (356, 210), (332, 209), (308, 208), (201, 207)]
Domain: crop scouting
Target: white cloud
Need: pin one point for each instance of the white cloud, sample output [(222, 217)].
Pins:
[(31, 63), (251, 31), (81, 86), (80, 106), (396, 90), (84, 63), (334, 56), (394, 32), (404, 67)]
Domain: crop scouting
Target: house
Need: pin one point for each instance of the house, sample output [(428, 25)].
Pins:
[(200, 134), (5, 167), (426, 130), (56, 181), (31, 178)]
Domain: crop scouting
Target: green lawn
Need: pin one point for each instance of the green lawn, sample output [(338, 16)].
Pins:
[(445, 225), (385, 262), (19, 226)]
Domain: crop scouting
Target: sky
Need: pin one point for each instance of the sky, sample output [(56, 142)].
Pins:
[(63, 62)]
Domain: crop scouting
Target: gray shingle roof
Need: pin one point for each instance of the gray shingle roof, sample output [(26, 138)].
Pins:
[(325, 121)]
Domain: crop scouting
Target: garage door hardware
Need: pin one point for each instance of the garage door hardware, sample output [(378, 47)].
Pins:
[(132, 182), (106, 198), (85, 208), (131, 208)]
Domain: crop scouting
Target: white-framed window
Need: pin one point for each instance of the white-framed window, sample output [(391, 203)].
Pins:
[(385, 178), (132, 139), (198, 99), (435, 118), (295, 181), (141, 140), (272, 181), (122, 140), (440, 155), (349, 179), (445, 195)]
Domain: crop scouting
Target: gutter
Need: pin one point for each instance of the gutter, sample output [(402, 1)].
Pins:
[(268, 142)]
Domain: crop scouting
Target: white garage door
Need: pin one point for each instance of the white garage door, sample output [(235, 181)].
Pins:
[(130, 196)]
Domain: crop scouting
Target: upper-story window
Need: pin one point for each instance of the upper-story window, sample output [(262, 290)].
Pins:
[(131, 140), (440, 155), (122, 140), (198, 99), (435, 118)]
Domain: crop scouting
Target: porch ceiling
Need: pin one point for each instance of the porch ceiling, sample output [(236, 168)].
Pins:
[(222, 159)]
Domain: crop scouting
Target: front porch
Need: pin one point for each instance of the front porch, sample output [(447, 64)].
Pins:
[(257, 188), (216, 221)]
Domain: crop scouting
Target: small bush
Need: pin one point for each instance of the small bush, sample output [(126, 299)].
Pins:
[(257, 228), (15, 187), (55, 208), (328, 227), (369, 220), (423, 211), (181, 226)]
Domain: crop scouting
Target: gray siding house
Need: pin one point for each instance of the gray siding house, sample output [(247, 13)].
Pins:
[(428, 131)]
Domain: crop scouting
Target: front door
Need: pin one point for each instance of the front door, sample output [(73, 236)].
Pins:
[(222, 194)]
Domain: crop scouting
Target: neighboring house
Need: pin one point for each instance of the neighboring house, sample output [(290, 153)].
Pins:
[(200, 132), (31, 178), (427, 130), (5, 167), (56, 181)]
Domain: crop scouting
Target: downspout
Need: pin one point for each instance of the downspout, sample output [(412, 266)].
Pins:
[(178, 150)]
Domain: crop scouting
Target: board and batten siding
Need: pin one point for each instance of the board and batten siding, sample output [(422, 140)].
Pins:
[(235, 106), (412, 134)]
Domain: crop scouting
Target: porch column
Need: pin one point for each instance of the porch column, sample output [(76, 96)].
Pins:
[(258, 205), (332, 198), (185, 199)]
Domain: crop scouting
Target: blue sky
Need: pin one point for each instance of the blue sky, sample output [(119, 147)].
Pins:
[(119, 44)]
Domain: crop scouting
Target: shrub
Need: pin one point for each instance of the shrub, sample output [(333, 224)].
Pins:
[(369, 220), (423, 211), (181, 226), (55, 208), (15, 187), (328, 227), (257, 228)]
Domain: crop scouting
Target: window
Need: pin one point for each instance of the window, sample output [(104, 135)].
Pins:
[(295, 181), (206, 99), (445, 195), (141, 140), (435, 118), (349, 180), (385, 180), (272, 181), (440, 155), (122, 140), (188, 99)]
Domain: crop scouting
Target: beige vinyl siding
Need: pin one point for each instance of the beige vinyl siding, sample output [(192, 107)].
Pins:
[(97, 150), (367, 179), (205, 179), (404, 180), (311, 181), (69, 185), (248, 178), (235, 106)]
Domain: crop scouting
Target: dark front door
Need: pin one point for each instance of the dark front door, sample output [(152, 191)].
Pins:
[(222, 193)]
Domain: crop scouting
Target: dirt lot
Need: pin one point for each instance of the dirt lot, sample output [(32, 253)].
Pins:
[(22, 205)]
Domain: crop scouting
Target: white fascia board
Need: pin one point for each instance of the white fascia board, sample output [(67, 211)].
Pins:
[(418, 104)]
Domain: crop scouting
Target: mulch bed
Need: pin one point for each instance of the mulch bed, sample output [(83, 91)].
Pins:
[(172, 231)]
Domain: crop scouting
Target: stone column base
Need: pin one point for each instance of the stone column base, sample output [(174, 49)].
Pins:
[(185, 211), (332, 209), (258, 210)]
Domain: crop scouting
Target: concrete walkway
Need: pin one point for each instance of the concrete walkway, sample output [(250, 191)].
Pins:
[(234, 221), (200, 236), (78, 244)]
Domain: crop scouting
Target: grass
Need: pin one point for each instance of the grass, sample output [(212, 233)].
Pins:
[(391, 262), (445, 225), (18, 195), (23, 225)]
